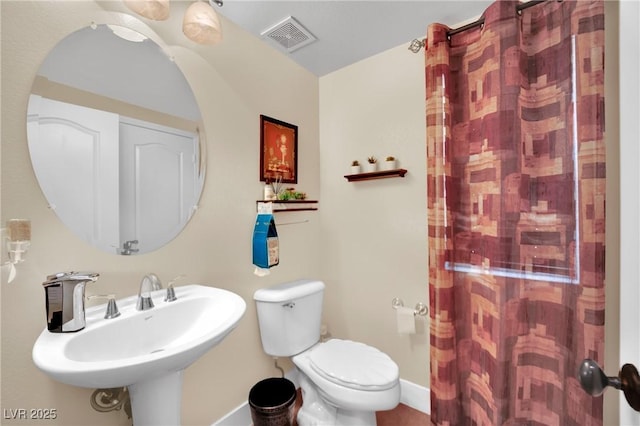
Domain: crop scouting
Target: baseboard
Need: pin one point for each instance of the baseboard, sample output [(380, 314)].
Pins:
[(239, 416), (415, 396), (411, 395)]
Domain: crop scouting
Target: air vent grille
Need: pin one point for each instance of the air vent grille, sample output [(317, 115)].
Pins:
[(288, 34)]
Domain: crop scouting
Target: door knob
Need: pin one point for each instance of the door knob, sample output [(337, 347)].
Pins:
[(594, 381)]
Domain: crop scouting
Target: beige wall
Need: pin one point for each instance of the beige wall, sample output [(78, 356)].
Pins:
[(374, 232), (240, 80)]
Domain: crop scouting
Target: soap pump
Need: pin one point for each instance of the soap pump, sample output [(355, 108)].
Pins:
[(65, 300)]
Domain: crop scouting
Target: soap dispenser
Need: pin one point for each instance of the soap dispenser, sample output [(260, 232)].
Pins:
[(64, 296)]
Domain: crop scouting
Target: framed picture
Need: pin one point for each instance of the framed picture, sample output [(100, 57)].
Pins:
[(278, 150)]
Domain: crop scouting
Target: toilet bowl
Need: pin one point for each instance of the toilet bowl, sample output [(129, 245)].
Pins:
[(343, 382)]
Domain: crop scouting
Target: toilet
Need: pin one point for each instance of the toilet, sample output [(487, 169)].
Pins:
[(343, 382)]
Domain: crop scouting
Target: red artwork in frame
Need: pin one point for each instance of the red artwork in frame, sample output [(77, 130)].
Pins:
[(278, 150)]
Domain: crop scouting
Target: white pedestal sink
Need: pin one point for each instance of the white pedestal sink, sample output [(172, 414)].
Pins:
[(144, 350)]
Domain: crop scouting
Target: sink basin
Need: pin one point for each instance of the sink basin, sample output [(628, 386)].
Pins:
[(145, 350)]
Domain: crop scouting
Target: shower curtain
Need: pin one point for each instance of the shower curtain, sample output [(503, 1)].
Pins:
[(516, 204)]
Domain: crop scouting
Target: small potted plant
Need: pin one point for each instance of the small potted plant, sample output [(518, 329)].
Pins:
[(355, 167), (389, 163), (372, 164), (291, 194)]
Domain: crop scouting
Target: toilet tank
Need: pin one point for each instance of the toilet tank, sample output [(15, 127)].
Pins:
[(289, 316)]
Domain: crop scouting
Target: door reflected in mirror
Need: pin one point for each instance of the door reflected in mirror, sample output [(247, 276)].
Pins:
[(115, 140)]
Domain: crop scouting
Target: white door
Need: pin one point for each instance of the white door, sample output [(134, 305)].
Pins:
[(74, 151), (158, 182), (629, 36)]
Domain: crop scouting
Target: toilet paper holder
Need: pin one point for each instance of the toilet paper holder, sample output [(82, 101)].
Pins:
[(420, 309)]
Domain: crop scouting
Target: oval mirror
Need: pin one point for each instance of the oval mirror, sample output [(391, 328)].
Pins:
[(114, 138)]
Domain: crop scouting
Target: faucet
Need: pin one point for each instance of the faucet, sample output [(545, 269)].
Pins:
[(64, 297), (149, 283)]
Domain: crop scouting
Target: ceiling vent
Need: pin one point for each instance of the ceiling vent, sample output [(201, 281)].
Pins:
[(288, 34)]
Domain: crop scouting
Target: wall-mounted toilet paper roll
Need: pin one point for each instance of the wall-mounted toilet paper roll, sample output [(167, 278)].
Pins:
[(406, 320)]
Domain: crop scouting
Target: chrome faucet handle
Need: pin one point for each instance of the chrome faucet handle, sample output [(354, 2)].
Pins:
[(112, 308), (176, 278), (171, 294)]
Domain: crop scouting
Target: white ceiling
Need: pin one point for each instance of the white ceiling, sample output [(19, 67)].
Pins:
[(349, 31), (346, 31)]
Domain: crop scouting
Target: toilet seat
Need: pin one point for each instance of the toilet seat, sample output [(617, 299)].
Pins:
[(354, 365)]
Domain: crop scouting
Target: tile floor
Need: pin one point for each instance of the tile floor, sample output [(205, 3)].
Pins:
[(402, 415)]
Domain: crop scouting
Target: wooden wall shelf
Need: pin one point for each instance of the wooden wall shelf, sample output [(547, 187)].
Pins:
[(291, 205), (383, 174)]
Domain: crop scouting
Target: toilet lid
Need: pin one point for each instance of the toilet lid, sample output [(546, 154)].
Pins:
[(354, 365)]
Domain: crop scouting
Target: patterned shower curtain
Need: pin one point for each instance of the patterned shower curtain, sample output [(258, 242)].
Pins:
[(516, 213)]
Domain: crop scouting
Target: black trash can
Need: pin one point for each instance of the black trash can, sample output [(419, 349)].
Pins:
[(272, 402)]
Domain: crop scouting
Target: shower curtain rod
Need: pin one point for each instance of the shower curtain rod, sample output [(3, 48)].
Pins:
[(416, 44), (519, 8)]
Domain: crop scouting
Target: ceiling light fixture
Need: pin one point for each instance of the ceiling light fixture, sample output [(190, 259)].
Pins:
[(157, 10), (201, 23)]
